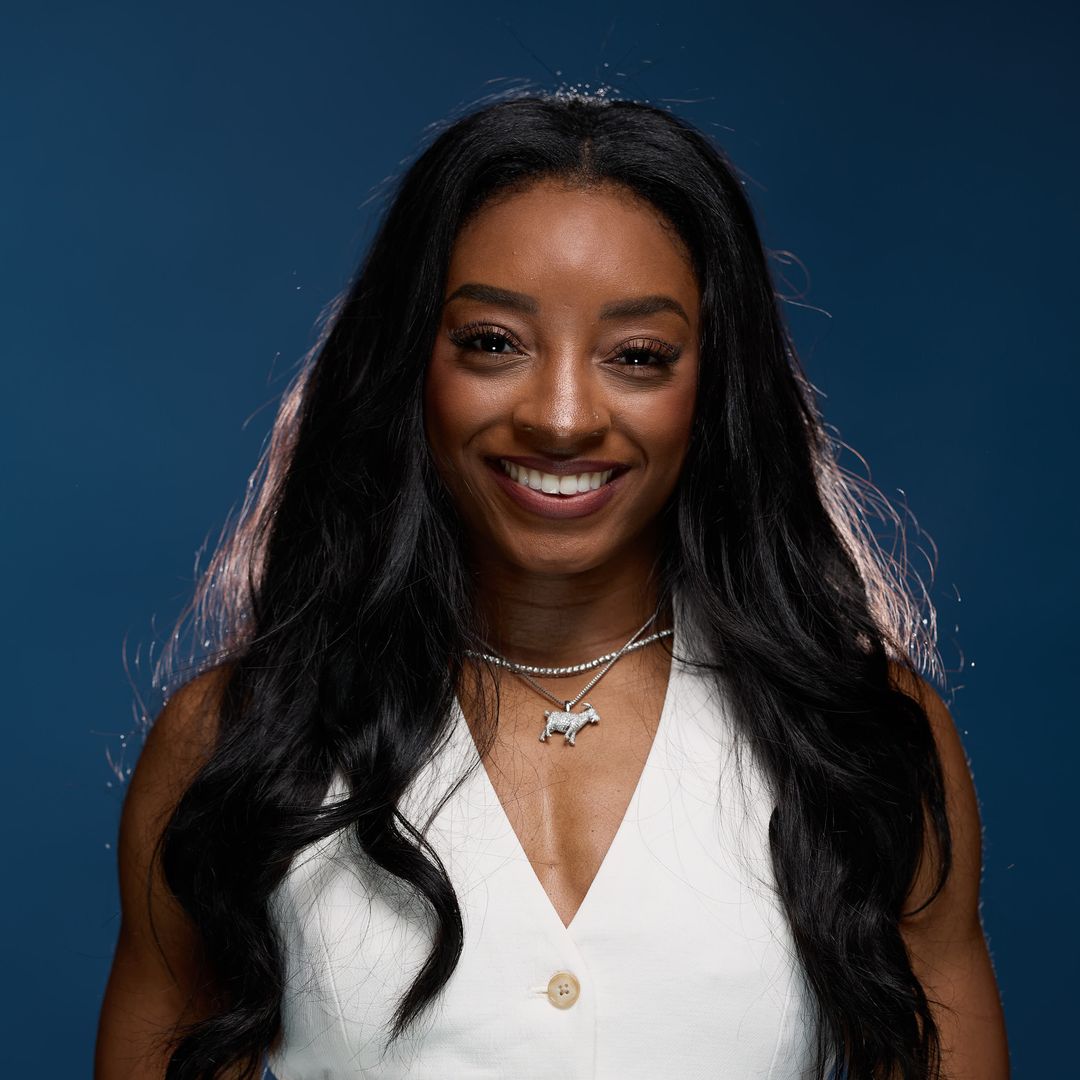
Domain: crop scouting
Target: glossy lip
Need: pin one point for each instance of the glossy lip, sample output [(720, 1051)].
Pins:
[(556, 506)]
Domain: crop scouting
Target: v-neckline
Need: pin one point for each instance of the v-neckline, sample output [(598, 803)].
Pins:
[(518, 851)]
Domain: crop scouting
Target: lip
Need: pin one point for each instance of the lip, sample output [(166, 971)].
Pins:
[(558, 506)]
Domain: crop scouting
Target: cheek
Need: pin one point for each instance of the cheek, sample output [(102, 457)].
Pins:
[(663, 431), (457, 409), (450, 410)]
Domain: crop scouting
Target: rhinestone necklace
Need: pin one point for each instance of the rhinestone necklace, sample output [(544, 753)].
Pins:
[(564, 720), (573, 669)]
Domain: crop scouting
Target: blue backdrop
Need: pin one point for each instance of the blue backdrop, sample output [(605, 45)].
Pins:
[(184, 186)]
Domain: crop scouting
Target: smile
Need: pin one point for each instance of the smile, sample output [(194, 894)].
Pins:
[(550, 484), (546, 495)]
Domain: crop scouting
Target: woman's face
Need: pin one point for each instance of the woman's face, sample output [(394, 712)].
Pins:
[(568, 348)]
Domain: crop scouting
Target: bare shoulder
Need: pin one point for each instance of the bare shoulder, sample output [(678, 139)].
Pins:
[(182, 736), (945, 940), (179, 742), (177, 745), (156, 971), (954, 759), (957, 906)]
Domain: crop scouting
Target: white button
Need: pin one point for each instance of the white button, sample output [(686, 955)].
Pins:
[(563, 989)]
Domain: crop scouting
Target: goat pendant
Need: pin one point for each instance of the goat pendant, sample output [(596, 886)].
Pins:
[(567, 722)]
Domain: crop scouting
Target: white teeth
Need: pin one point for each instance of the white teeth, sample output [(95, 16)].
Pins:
[(555, 485)]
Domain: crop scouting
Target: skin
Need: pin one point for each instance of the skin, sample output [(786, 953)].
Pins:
[(946, 942), (150, 989)]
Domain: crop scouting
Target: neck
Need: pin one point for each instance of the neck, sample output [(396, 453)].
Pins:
[(555, 619)]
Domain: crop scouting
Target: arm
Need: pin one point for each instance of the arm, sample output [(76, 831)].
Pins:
[(148, 992), (945, 940)]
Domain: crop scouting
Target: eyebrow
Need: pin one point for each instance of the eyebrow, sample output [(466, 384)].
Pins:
[(618, 309)]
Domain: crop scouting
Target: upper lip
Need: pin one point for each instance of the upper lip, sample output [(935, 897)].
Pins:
[(564, 468)]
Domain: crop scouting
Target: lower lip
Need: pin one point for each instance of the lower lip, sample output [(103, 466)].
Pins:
[(556, 506)]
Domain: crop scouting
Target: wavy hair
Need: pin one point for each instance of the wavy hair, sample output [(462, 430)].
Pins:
[(342, 580)]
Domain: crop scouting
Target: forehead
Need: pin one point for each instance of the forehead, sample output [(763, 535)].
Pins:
[(571, 241)]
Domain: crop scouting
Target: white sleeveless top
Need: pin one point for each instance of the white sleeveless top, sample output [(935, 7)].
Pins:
[(678, 963)]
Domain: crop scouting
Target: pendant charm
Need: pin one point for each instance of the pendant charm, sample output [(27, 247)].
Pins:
[(567, 722)]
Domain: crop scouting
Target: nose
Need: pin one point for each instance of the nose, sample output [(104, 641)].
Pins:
[(562, 405)]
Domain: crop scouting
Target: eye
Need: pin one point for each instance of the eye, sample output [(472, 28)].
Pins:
[(642, 353), (647, 354), (491, 339)]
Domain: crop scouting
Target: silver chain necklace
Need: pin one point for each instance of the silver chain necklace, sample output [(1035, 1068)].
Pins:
[(573, 669), (565, 721)]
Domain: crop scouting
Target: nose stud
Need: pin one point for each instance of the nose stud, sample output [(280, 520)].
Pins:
[(596, 417)]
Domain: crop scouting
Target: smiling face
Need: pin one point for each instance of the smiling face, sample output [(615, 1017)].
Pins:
[(566, 361)]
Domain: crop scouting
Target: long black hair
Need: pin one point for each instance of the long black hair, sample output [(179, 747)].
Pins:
[(339, 606)]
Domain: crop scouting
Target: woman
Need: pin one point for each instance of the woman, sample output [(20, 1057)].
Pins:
[(556, 422)]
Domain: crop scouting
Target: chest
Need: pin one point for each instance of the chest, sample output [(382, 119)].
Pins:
[(565, 802)]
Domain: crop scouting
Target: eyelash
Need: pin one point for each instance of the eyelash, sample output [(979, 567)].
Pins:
[(663, 354)]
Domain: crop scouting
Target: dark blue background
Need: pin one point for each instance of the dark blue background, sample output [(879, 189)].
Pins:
[(183, 188)]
